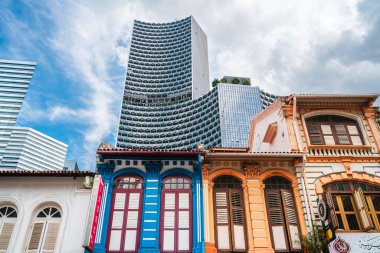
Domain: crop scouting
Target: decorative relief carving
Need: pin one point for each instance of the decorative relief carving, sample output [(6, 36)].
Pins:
[(206, 170), (251, 170), (347, 167), (369, 113), (288, 110)]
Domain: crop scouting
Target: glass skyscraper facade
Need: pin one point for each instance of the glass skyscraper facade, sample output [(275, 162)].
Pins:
[(167, 101), (23, 148)]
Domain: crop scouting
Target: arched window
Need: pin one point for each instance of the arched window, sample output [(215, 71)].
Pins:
[(230, 225), (8, 218), (176, 215), (45, 230), (125, 221), (333, 130), (356, 204), (282, 214)]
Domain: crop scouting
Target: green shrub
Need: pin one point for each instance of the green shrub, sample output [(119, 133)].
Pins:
[(315, 242), (235, 80), (215, 82), (247, 82), (223, 80)]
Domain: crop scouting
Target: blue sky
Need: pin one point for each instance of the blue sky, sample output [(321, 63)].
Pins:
[(81, 50)]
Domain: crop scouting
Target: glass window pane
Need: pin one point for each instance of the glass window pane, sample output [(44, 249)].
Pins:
[(187, 186), (316, 140), (336, 207), (340, 221), (312, 129), (343, 140), (329, 140), (356, 140), (347, 203), (352, 222), (353, 130), (326, 129), (340, 129), (376, 203)]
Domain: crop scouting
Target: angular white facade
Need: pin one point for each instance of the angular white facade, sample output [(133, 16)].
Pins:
[(15, 77), (28, 149), (23, 148)]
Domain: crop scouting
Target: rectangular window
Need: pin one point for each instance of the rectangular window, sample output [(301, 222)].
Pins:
[(345, 212)]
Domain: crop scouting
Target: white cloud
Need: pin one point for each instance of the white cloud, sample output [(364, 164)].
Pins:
[(283, 46)]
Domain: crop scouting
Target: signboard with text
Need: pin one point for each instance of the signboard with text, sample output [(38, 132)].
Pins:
[(355, 242), (94, 212)]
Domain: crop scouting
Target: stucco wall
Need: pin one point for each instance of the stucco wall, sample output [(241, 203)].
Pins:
[(281, 142), (29, 194)]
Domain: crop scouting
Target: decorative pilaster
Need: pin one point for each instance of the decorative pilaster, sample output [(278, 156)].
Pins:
[(208, 210), (257, 224), (149, 241), (197, 190), (370, 115), (288, 114)]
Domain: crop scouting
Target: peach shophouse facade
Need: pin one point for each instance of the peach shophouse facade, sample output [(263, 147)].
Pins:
[(338, 138)]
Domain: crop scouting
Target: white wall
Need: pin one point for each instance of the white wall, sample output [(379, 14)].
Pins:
[(199, 51), (29, 194), (280, 142)]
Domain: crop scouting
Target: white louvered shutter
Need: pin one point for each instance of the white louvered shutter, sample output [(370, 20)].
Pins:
[(237, 213), (222, 220), (50, 236), (276, 220), (35, 239), (132, 229), (363, 209), (6, 230), (117, 221), (169, 221), (183, 237), (291, 219)]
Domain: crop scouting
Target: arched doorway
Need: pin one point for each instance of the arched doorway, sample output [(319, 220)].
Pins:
[(282, 214), (125, 221), (230, 225), (176, 215)]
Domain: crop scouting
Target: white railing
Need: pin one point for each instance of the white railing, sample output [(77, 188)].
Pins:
[(341, 151)]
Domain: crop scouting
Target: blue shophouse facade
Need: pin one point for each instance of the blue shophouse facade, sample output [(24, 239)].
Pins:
[(151, 202)]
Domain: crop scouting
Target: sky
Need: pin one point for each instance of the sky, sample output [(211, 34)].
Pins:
[(81, 49)]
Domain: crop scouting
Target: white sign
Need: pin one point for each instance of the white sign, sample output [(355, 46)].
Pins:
[(355, 242)]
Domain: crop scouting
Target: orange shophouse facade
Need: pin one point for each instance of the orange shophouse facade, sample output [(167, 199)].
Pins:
[(339, 138), (247, 197)]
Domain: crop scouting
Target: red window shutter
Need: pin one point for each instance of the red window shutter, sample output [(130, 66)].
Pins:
[(175, 228), (125, 215)]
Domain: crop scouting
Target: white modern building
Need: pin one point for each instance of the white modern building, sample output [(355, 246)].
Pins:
[(15, 77), (23, 148), (43, 211), (28, 149)]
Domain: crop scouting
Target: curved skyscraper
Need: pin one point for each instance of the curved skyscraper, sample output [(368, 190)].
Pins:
[(167, 101)]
